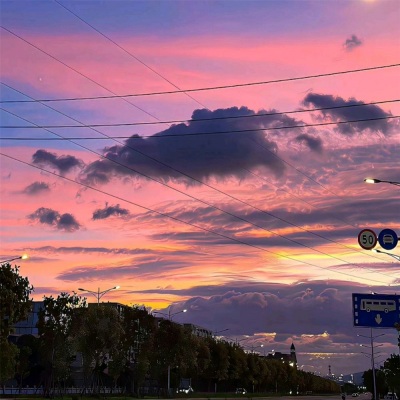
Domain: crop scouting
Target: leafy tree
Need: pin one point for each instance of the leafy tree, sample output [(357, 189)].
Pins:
[(133, 362), (15, 304), (55, 325), (97, 335), (218, 368), (380, 381), (392, 372)]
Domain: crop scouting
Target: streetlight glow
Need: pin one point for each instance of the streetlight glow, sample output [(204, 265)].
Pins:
[(23, 257), (373, 180), (99, 294), (170, 315)]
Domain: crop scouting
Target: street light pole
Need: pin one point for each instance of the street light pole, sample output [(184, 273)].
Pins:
[(373, 180), (372, 359), (99, 294), (169, 315), (23, 257), (395, 256)]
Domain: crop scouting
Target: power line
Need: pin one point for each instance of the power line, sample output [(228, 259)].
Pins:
[(75, 70), (197, 119), (128, 52), (204, 202), (115, 96), (185, 222), (101, 86), (203, 133), (203, 183)]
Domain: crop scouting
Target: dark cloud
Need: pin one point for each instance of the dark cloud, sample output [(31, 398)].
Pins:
[(87, 250), (63, 164), (347, 113), (146, 267), (352, 42), (110, 211), (220, 156), (47, 216), (36, 188), (310, 307), (312, 142)]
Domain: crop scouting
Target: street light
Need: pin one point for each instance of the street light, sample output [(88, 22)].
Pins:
[(23, 257), (169, 315), (395, 256), (99, 294), (373, 180), (372, 356), (223, 330)]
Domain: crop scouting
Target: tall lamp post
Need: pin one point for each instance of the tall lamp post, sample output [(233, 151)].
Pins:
[(23, 257), (170, 315), (372, 358), (373, 180), (99, 294)]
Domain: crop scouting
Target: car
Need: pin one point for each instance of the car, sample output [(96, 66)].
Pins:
[(388, 239), (241, 391), (186, 390), (391, 396), (354, 395)]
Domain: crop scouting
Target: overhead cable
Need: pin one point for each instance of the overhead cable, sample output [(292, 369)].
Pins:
[(206, 203), (267, 114), (189, 223), (155, 136)]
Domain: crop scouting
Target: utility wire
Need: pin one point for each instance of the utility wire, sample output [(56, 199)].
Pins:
[(111, 92), (206, 203), (76, 71), (169, 122), (202, 133), (203, 183), (197, 89), (128, 52), (185, 222)]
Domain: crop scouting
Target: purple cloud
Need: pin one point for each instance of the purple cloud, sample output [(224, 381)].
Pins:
[(63, 164), (47, 216)]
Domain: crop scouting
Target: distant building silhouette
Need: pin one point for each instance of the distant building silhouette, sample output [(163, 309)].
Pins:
[(290, 358)]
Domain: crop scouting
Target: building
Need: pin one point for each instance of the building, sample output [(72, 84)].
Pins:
[(28, 326), (290, 358)]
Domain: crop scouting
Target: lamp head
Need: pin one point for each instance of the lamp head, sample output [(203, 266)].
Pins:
[(371, 180)]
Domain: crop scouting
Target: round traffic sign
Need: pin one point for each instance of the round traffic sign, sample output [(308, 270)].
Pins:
[(367, 239), (388, 239)]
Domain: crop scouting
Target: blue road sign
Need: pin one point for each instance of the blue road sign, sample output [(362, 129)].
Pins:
[(376, 310), (388, 239)]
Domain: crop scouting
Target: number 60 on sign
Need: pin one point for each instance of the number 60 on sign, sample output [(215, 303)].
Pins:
[(367, 239)]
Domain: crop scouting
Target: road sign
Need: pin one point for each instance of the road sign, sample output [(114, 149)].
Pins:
[(376, 310), (388, 239), (367, 239)]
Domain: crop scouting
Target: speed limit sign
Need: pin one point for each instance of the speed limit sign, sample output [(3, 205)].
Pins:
[(367, 239)]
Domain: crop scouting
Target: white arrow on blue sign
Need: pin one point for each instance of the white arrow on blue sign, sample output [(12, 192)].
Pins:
[(376, 310)]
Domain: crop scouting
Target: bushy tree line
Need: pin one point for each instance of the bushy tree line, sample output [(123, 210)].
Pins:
[(387, 377), (130, 348)]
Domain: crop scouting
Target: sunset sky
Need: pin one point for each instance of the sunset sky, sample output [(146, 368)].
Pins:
[(233, 200)]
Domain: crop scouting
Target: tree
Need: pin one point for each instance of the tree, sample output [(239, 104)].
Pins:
[(380, 381), (97, 335), (15, 304), (392, 372), (55, 324)]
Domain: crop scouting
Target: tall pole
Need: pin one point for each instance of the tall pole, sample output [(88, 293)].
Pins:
[(373, 365)]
